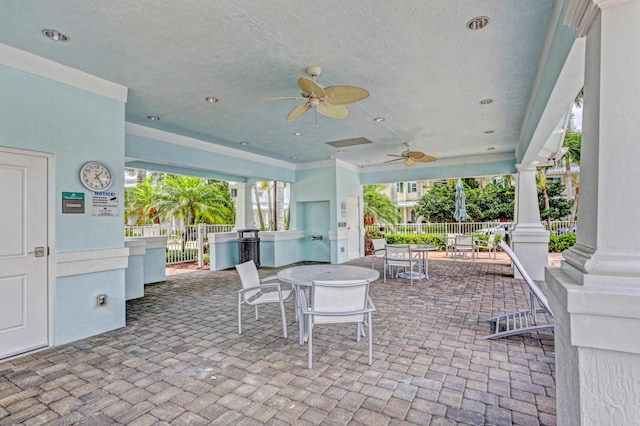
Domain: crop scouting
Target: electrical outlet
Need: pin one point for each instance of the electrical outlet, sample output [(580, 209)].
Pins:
[(102, 300), (341, 249)]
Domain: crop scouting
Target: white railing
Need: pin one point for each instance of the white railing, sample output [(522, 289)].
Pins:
[(184, 243), (558, 227), (441, 228)]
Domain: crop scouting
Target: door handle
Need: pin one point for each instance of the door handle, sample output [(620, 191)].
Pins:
[(39, 252)]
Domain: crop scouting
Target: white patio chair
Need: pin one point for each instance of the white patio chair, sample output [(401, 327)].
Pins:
[(339, 302), (379, 245), (488, 244), (449, 245), (400, 256), (464, 244), (253, 292), (524, 321)]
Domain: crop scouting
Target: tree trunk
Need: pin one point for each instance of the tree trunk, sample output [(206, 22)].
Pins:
[(574, 210), (275, 205), (258, 208), (545, 197), (567, 177), (269, 206), (141, 175)]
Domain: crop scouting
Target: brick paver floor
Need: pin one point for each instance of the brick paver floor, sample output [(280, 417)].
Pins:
[(180, 361)]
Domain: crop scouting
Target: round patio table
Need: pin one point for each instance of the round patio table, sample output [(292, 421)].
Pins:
[(302, 277), (423, 250)]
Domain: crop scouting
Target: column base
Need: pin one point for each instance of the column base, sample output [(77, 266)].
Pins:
[(530, 242), (597, 347)]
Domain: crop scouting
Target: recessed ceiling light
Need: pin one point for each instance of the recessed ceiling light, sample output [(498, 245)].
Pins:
[(211, 99), (340, 150), (55, 35), (490, 148), (488, 132), (332, 157), (486, 101), (293, 158), (478, 23), (297, 134), (378, 119), (153, 117), (244, 143)]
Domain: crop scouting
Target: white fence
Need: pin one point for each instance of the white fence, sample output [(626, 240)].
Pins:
[(558, 227), (189, 243), (184, 243)]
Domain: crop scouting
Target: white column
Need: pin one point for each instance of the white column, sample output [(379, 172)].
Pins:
[(595, 294), (529, 239), (244, 207)]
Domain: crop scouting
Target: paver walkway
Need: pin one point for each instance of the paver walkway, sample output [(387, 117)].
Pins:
[(180, 361)]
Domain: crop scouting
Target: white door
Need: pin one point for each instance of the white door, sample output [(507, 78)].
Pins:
[(23, 253), (353, 225)]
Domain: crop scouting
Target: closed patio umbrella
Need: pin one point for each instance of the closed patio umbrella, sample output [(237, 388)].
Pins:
[(460, 213)]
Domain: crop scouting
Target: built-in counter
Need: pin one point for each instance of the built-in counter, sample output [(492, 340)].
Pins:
[(277, 248)]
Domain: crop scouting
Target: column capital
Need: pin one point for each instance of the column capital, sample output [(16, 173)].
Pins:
[(527, 167)]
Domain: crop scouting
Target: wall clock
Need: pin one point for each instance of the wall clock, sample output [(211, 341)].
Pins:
[(96, 176)]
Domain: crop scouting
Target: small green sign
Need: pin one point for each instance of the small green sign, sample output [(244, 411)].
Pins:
[(73, 202), (73, 195)]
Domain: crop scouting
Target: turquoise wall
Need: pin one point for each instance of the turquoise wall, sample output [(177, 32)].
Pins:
[(76, 314), (75, 126), (315, 210), (154, 265)]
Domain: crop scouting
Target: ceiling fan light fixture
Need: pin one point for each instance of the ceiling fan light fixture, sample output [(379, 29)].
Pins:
[(409, 161)]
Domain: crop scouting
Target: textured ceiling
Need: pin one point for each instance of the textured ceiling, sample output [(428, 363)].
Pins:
[(426, 73)]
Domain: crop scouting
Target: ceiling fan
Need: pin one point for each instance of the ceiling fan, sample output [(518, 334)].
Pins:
[(330, 101), (410, 157)]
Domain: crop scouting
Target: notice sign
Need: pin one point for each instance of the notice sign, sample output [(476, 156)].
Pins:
[(73, 202), (104, 204)]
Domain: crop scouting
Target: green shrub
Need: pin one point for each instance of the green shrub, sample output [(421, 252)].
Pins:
[(560, 243), (431, 239)]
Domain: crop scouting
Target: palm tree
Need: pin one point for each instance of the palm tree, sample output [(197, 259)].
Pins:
[(542, 184), (378, 207), (195, 200), (256, 195), (140, 202), (573, 144)]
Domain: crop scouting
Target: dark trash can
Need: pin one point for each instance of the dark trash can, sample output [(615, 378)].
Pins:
[(249, 246)]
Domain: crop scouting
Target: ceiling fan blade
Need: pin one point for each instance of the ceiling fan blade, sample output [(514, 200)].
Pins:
[(334, 111), (298, 111), (342, 95), (309, 86), (425, 159), (395, 155), (283, 98), (395, 159)]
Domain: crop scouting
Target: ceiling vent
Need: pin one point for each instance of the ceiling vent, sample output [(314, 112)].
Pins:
[(349, 142)]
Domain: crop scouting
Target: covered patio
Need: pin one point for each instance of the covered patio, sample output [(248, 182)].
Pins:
[(179, 360)]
